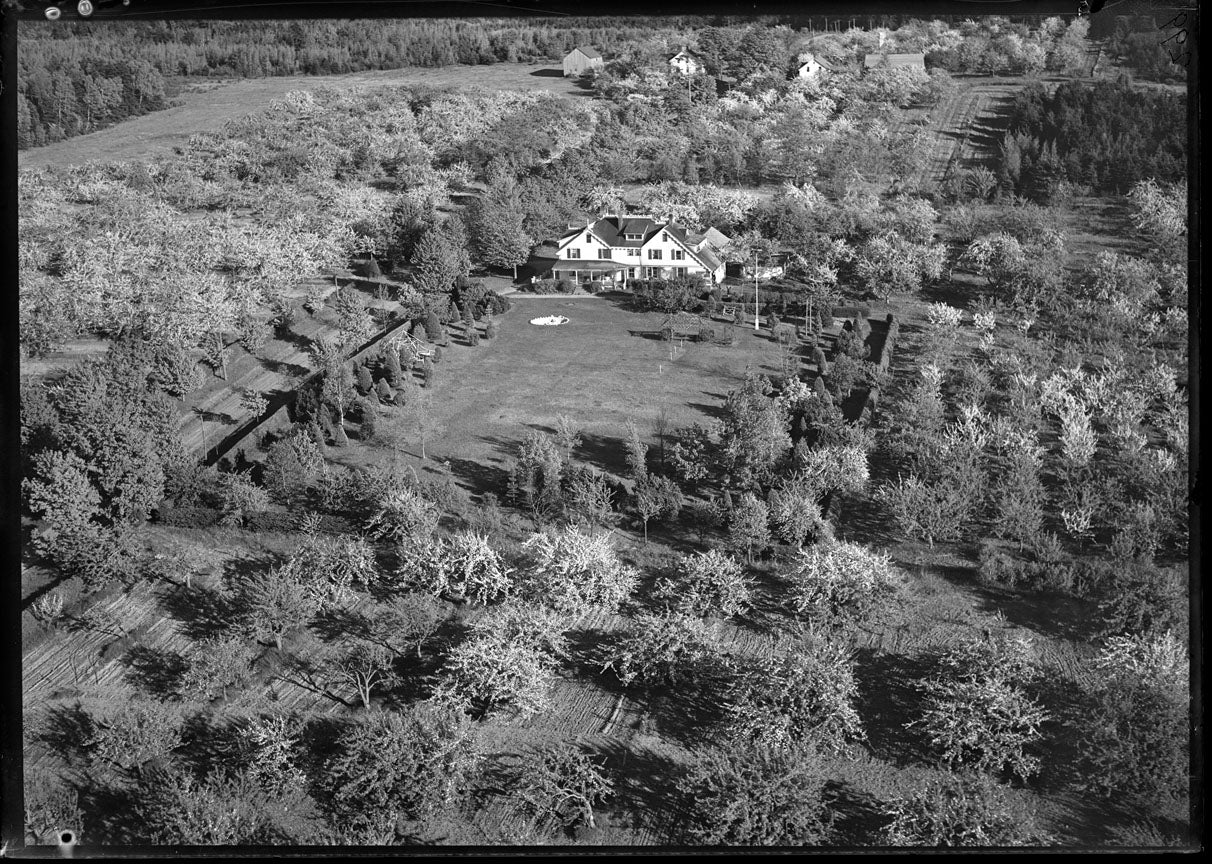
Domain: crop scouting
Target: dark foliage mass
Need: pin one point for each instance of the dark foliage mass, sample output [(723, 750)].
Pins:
[(1105, 135)]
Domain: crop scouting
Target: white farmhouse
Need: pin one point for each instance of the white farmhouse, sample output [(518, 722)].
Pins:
[(686, 63), (619, 248)]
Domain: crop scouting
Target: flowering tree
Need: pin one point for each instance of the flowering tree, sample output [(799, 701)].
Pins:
[(978, 714), (572, 571), (706, 583), (801, 696), (839, 582)]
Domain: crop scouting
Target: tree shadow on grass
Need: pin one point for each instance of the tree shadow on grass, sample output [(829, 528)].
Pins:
[(1049, 613), (154, 670), (645, 787), (209, 740), (282, 367), (715, 412), (202, 612), (858, 817), (604, 452), (693, 711), (480, 477), (66, 729), (888, 698)]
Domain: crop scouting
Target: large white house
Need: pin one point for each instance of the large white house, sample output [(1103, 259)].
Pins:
[(619, 248)]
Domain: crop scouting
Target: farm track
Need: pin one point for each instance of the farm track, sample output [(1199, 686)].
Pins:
[(964, 126)]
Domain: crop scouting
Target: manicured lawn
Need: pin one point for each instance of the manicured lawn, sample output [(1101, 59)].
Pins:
[(604, 366)]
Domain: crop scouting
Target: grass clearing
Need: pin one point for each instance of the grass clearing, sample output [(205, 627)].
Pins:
[(206, 104)]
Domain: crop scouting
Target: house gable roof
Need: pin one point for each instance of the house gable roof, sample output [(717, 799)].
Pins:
[(588, 50), (612, 231)]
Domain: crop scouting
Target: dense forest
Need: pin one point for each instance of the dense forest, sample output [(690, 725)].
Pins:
[(1104, 135)]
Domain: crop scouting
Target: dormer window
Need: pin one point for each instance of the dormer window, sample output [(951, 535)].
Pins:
[(664, 238), (635, 237)]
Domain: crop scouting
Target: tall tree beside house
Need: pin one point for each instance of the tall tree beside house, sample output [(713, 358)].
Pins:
[(497, 232)]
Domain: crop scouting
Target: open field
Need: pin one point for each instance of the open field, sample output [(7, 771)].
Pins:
[(209, 104)]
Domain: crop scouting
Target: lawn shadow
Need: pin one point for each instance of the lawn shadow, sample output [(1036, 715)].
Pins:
[(154, 670), (888, 699), (1049, 613), (66, 729), (548, 73), (480, 477), (858, 817), (282, 367), (201, 612), (645, 786), (715, 412), (208, 740), (604, 452)]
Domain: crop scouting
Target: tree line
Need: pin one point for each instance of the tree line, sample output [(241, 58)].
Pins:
[(74, 79), (1105, 135)]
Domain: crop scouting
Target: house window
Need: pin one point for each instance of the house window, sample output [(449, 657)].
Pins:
[(634, 253), (633, 272), (634, 236), (679, 271), (679, 255), (654, 254), (603, 253), (574, 253), (664, 238)]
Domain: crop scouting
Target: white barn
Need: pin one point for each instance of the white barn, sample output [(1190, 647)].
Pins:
[(581, 59)]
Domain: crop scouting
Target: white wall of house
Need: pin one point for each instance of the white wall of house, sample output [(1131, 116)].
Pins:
[(662, 256)]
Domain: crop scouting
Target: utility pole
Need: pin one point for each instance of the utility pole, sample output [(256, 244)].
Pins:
[(755, 293)]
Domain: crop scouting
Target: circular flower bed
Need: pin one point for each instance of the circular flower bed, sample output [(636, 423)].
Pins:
[(549, 321)]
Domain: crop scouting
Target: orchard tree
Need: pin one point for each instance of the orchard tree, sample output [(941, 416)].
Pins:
[(839, 582), (573, 571), (172, 807), (140, 731), (278, 601), (756, 797), (397, 767), (978, 714), (367, 667), (801, 697), (663, 650), (562, 782), (889, 264), (960, 810), (1137, 735), (508, 661), (271, 748), (749, 526), (707, 583), (215, 664)]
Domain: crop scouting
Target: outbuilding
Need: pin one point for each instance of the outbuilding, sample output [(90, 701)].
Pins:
[(581, 59)]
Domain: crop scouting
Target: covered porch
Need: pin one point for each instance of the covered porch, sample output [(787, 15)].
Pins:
[(590, 271)]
